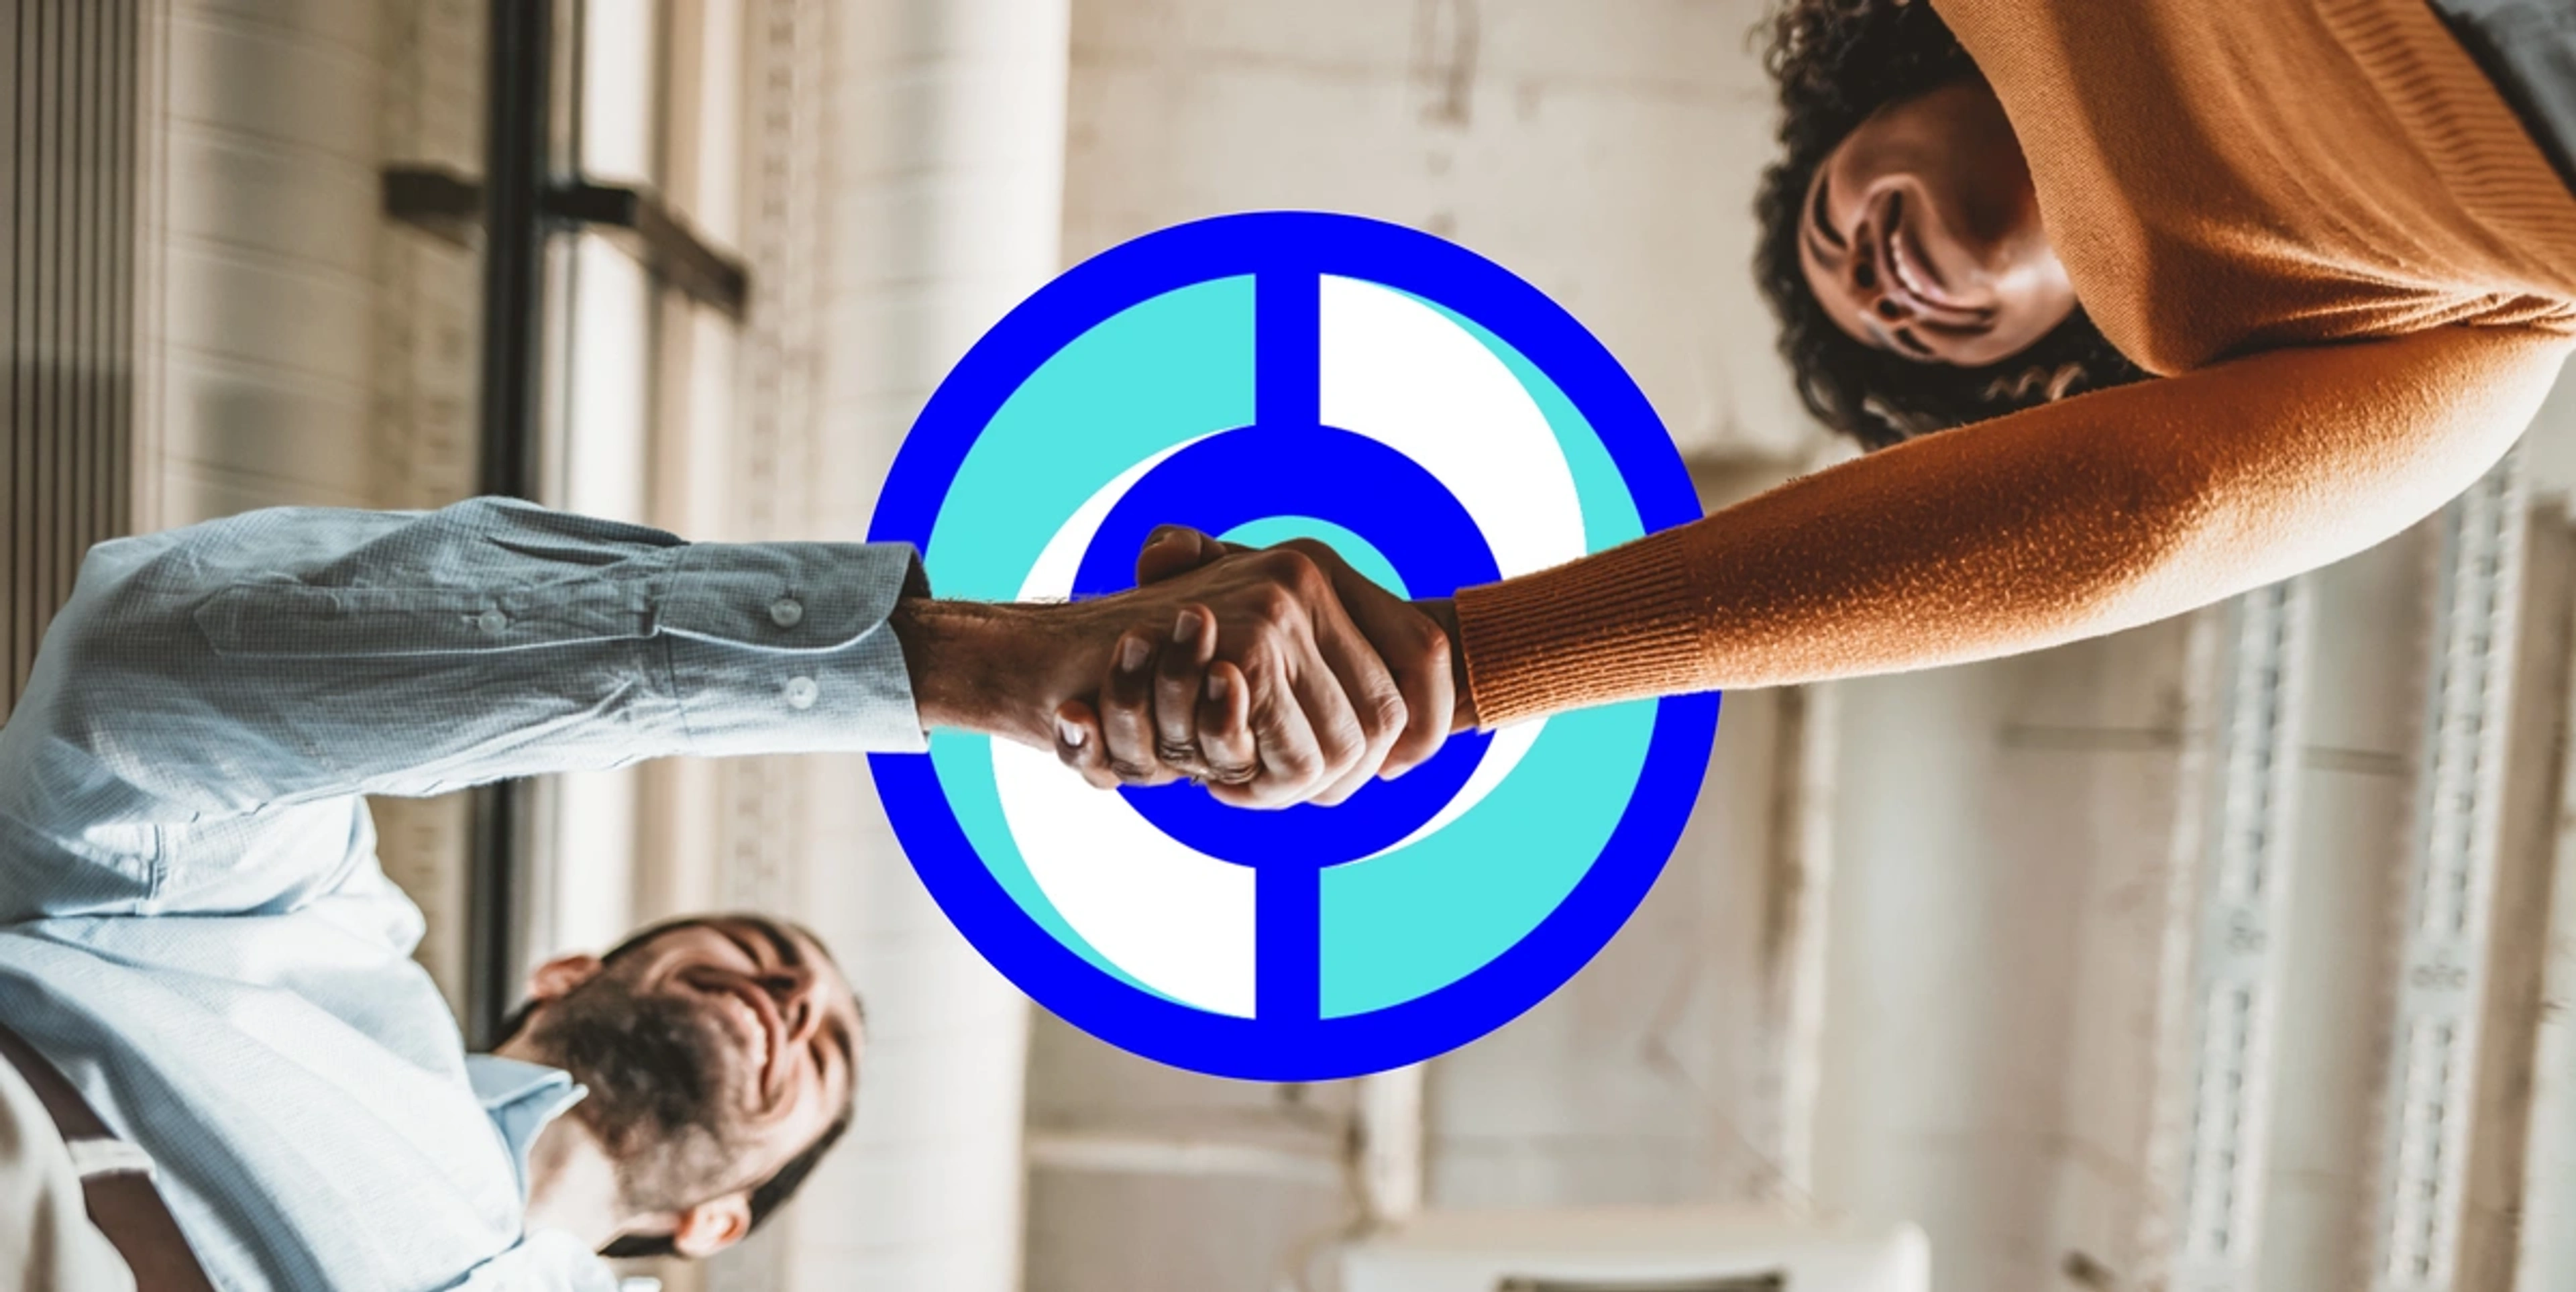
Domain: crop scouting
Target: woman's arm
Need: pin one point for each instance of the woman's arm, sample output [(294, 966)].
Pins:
[(2063, 522)]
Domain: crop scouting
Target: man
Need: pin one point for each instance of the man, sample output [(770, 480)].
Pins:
[(204, 972)]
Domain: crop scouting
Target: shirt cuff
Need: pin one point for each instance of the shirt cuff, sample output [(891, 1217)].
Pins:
[(785, 648)]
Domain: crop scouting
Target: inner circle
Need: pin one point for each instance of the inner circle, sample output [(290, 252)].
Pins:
[(1240, 476)]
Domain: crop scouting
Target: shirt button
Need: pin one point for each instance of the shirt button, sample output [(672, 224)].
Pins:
[(786, 612), (801, 692), (492, 621)]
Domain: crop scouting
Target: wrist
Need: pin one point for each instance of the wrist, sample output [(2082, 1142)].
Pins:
[(989, 668), (1444, 612)]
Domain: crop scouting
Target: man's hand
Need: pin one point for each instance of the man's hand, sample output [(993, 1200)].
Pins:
[(1320, 710), (1185, 715), (1165, 730)]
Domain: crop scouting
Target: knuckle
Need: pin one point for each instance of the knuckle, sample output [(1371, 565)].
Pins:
[(1309, 575), (1430, 643), (1276, 602), (1317, 552), (1348, 736), (1292, 565), (1299, 765), (1385, 715), (1130, 772)]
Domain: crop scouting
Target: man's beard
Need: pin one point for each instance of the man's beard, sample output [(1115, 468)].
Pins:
[(656, 1072)]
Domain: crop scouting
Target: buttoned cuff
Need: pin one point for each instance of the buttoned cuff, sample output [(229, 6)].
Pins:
[(785, 647)]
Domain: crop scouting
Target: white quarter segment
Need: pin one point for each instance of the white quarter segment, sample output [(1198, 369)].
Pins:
[(1175, 919), (1400, 373)]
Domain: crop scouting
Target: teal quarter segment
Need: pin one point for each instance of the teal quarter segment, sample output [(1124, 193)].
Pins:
[(1155, 376), (1408, 922)]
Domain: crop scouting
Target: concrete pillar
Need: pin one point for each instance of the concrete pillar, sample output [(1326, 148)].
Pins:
[(929, 140)]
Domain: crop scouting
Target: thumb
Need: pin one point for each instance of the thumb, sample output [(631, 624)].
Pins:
[(1174, 550)]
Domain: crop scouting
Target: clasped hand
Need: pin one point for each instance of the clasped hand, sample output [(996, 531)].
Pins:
[(1278, 676)]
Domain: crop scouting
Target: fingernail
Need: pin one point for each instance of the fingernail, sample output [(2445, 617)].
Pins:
[(1216, 687), (1186, 628), (1131, 654), (1070, 731)]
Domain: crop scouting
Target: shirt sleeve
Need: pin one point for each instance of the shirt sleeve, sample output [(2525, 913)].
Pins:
[(2057, 523), (217, 680)]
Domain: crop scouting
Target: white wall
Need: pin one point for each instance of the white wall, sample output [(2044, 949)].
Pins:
[(268, 310), (1999, 850), (1604, 151)]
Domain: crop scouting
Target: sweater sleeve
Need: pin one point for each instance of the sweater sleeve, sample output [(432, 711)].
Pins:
[(2067, 521)]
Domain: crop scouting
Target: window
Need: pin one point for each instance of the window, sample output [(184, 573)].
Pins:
[(609, 347)]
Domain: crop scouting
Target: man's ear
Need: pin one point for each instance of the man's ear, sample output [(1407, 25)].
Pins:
[(556, 978), (710, 1227)]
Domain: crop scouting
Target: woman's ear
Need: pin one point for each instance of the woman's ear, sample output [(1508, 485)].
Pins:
[(710, 1227), (556, 978)]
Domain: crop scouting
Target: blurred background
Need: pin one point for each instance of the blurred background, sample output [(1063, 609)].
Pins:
[(2231, 953)]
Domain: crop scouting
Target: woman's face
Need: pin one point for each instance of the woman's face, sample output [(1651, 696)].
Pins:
[(1923, 234)]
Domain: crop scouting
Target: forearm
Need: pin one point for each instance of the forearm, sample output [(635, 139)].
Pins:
[(2030, 531), (288, 656), (1904, 560)]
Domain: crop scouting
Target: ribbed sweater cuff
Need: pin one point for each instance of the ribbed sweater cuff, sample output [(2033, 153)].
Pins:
[(2446, 101), (1615, 626)]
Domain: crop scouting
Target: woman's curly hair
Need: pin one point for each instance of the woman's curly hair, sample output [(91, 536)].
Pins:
[(1838, 61)]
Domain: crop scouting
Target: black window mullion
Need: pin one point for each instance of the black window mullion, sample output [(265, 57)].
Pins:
[(518, 171)]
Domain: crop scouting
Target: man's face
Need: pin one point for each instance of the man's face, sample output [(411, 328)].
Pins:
[(714, 1052)]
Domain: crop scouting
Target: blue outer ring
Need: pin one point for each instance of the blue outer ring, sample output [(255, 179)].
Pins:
[(1677, 754)]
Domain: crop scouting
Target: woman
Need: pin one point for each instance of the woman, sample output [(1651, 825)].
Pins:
[(2212, 294)]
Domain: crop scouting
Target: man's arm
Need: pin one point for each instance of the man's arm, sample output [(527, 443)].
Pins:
[(210, 698), (284, 656), (206, 685)]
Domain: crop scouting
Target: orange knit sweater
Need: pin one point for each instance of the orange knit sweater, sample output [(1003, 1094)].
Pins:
[(2315, 219)]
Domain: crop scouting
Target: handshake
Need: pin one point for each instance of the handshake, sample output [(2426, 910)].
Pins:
[(1273, 677)]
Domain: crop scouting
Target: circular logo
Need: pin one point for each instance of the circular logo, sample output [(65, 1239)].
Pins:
[(1441, 424)]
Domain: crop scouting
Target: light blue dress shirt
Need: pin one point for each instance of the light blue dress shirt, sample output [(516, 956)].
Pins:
[(193, 925)]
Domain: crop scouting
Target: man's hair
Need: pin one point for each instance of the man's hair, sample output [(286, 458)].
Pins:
[(1836, 62), (767, 1196)]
